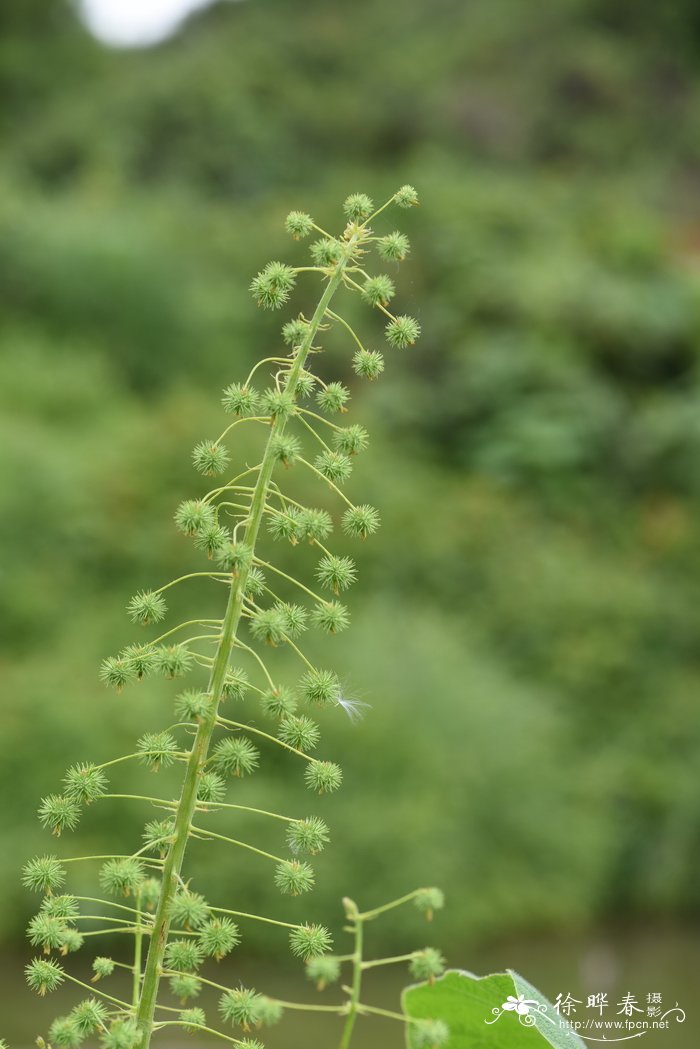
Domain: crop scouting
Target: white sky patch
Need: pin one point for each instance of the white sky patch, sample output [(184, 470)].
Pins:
[(136, 23)]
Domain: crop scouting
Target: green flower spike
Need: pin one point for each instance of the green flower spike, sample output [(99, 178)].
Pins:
[(176, 929)]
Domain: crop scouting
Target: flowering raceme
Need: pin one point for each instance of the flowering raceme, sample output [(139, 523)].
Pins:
[(223, 650)]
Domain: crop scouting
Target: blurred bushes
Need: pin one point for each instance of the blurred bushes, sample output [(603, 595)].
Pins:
[(527, 628)]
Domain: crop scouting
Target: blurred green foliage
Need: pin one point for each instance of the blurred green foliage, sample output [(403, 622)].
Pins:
[(526, 629)]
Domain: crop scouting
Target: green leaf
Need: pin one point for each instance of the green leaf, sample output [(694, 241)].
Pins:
[(472, 1008)]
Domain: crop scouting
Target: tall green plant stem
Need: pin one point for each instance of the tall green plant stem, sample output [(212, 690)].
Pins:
[(200, 749), (353, 1006), (138, 948)]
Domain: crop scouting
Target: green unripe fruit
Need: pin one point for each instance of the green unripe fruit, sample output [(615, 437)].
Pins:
[(394, 247), (273, 285), (310, 941), (299, 224), (358, 207), (293, 877), (402, 332), (368, 363), (210, 458)]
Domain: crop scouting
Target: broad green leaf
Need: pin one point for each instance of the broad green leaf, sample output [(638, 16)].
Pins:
[(472, 1008), (547, 1020)]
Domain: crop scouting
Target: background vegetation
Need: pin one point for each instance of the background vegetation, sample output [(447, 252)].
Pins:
[(527, 627)]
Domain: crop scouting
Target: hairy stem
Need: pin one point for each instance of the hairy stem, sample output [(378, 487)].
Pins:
[(200, 750)]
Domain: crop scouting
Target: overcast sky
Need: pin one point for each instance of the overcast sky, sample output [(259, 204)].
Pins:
[(126, 23)]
